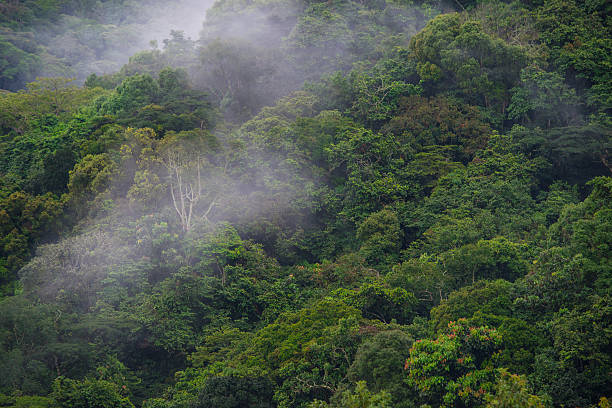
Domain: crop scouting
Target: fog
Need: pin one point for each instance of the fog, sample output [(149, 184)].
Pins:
[(182, 15), (79, 47)]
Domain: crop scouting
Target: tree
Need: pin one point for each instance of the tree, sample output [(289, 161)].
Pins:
[(487, 259), (544, 99), (511, 392), (580, 339), (90, 178), (440, 121), (68, 393), (379, 302), (184, 157), (476, 66), (134, 92), (18, 64), (488, 297), (27, 332), (378, 96), (179, 309), (375, 167), (56, 93), (24, 219), (424, 277), (361, 397), (380, 236), (590, 143), (231, 69), (455, 369), (236, 392), (379, 362), (25, 402), (307, 352), (45, 96)]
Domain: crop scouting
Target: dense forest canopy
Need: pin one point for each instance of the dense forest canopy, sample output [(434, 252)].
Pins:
[(305, 204)]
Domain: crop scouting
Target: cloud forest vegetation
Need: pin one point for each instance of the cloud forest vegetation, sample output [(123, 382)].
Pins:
[(309, 204)]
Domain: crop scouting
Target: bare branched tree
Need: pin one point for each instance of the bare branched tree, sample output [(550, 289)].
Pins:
[(186, 189)]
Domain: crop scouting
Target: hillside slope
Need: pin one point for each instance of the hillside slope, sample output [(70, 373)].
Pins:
[(313, 204)]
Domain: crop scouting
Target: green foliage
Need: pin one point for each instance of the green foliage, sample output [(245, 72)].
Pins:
[(440, 121), (585, 360), (176, 314), (485, 297), (456, 368), (306, 352), (90, 177), (360, 398), (543, 98), (491, 259), (376, 172), (37, 345), (235, 392), (425, 278), (88, 394), (23, 220), (380, 363), (378, 302), (511, 391), (380, 238), (428, 214), (31, 108), (16, 66), (167, 103), (454, 53), (25, 402)]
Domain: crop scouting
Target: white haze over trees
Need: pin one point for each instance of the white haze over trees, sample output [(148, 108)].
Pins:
[(75, 39), (119, 37), (300, 202)]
